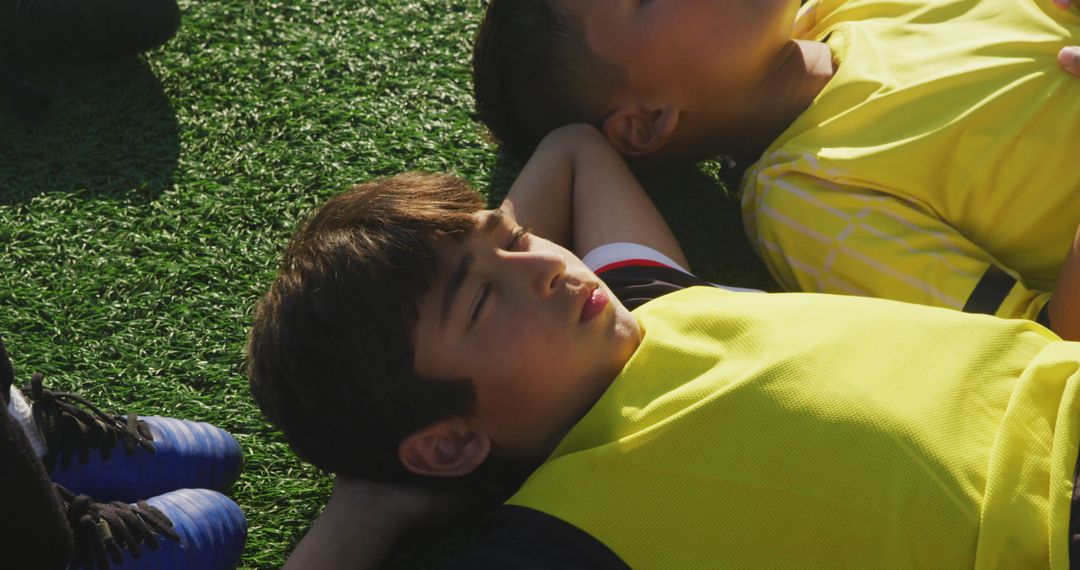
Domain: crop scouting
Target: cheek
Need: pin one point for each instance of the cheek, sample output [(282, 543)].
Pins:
[(523, 385), (529, 348), (773, 22), (530, 357)]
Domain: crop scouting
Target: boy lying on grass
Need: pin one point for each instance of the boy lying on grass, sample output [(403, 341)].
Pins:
[(919, 150), (414, 338)]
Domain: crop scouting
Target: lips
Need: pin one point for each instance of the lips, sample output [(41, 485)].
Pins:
[(594, 304)]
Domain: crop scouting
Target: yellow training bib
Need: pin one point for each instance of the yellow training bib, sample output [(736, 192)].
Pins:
[(797, 430)]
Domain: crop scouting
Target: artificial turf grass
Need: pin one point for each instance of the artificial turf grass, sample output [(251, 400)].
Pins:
[(143, 217)]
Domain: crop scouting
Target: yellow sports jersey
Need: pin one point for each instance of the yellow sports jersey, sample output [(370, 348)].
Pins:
[(803, 430), (938, 166)]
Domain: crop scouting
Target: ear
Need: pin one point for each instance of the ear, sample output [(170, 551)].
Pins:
[(449, 448), (637, 131)]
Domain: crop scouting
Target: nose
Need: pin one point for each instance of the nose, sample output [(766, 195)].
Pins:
[(544, 270)]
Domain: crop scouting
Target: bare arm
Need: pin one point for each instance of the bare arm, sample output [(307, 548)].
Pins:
[(578, 192), (361, 522), (1065, 303)]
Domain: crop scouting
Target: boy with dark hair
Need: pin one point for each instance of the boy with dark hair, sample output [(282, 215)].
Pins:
[(707, 428), (917, 150), (341, 315)]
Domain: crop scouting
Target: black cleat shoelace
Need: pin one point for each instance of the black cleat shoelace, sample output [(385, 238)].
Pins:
[(103, 531), (69, 429)]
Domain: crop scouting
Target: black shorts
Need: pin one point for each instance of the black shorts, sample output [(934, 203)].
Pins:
[(637, 274), (637, 284)]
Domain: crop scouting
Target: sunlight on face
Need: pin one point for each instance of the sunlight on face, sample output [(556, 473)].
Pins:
[(701, 49), (537, 332)]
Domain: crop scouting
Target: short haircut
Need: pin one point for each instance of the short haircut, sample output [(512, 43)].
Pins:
[(533, 71), (331, 355)]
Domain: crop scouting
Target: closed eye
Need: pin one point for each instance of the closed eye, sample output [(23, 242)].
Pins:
[(516, 238), (484, 293)]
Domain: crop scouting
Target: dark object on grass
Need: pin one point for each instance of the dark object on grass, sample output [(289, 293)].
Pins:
[(27, 101), (35, 32), (84, 30)]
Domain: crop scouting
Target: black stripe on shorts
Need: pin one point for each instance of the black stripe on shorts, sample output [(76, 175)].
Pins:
[(636, 285), (1044, 316), (990, 292)]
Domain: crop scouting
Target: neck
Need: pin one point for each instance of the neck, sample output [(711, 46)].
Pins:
[(802, 70), (633, 329)]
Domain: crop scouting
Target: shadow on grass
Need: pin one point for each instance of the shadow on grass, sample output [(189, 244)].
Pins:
[(110, 132), (696, 202)]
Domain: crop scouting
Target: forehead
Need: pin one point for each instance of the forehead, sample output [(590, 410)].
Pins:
[(484, 223), (451, 249)]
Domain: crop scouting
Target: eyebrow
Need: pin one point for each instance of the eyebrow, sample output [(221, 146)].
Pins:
[(492, 221), (453, 286)]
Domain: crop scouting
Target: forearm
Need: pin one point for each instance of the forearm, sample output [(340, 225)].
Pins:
[(362, 521), (1065, 303), (345, 537), (542, 197), (578, 192)]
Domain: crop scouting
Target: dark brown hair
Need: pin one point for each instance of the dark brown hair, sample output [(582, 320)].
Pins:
[(533, 71), (330, 354)]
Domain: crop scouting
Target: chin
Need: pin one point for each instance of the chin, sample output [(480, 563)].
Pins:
[(627, 334)]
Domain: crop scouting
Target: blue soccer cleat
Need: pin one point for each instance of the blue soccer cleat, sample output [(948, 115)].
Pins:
[(184, 529), (118, 458)]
